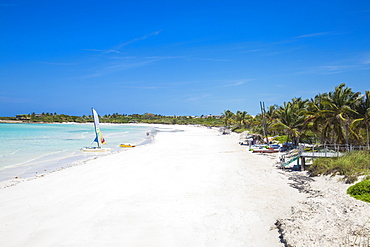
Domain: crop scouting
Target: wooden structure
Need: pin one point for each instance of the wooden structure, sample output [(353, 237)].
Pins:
[(319, 151)]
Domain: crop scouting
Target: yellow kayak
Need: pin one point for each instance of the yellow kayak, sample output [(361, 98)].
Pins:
[(127, 146)]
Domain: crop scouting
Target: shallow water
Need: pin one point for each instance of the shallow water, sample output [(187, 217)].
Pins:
[(31, 149)]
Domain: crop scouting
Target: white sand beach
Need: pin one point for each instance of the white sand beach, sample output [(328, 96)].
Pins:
[(190, 188)]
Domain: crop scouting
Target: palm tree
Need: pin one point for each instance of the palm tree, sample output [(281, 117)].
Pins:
[(256, 124), (270, 116), (363, 111), (291, 119), (339, 111), (228, 117), (242, 118), (315, 120)]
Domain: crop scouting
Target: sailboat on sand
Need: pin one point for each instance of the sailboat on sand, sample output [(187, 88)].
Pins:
[(99, 139)]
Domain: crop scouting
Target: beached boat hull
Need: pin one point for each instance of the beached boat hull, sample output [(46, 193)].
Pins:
[(95, 149), (266, 151)]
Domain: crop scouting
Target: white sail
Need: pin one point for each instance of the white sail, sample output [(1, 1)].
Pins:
[(99, 136)]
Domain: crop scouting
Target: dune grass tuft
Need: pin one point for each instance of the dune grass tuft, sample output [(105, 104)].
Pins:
[(351, 166)]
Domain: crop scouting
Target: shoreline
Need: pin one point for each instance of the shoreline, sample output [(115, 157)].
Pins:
[(58, 160), (191, 187), (29, 172), (11, 121)]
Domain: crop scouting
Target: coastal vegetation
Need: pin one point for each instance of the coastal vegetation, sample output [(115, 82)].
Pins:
[(208, 120), (341, 116), (351, 166), (337, 117)]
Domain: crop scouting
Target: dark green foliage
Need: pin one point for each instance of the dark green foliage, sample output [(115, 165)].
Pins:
[(360, 191), (211, 121), (8, 118)]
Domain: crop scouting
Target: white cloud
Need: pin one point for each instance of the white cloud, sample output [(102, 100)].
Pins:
[(311, 35), (197, 98), (137, 39), (118, 67), (93, 50), (337, 68), (116, 48), (112, 51), (238, 82)]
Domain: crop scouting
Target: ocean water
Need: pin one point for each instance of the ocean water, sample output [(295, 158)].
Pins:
[(27, 150)]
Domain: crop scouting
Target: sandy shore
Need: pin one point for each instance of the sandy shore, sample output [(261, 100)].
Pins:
[(189, 188), (328, 217)]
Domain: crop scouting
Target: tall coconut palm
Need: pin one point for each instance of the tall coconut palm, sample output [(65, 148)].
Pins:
[(315, 120), (363, 121), (339, 111), (291, 119)]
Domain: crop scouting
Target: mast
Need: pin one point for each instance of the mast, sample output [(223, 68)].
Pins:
[(95, 127), (263, 111)]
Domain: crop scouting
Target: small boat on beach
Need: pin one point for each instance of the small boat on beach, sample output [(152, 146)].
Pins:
[(95, 149), (266, 150), (127, 145), (99, 139), (274, 148)]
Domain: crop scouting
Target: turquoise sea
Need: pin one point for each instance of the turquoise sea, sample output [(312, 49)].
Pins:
[(27, 150)]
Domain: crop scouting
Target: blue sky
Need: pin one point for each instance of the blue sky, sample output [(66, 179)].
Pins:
[(177, 57)]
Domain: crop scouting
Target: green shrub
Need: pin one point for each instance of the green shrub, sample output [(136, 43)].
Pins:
[(360, 191)]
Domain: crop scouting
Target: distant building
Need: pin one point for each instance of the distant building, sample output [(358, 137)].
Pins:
[(27, 116), (22, 117), (211, 116)]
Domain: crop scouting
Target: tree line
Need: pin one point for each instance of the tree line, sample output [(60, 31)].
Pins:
[(341, 116), (119, 118)]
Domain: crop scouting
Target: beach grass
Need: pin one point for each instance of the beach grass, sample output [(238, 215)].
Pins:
[(351, 166)]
